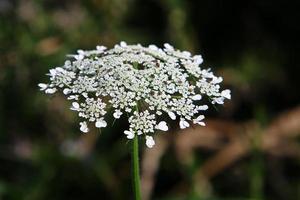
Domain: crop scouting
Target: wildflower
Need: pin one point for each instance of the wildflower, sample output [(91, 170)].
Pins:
[(143, 82)]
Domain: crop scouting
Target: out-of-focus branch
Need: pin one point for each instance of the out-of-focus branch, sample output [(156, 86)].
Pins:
[(275, 139), (232, 140)]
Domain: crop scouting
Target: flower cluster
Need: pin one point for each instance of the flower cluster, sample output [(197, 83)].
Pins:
[(144, 82)]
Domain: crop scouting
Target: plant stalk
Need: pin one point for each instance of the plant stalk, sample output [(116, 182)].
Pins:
[(136, 169)]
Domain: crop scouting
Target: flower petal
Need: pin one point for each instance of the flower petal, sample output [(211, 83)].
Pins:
[(197, 97), (66, 91), (117, 114), (42, 86), (172, 115), (83, 127), (149, 141), (123, 44), (203, 107), (198, 59), (200, 117), (100, 123), (183, 124), (162, 126), (168, 47), (75, 106), (50, 90), (129, 134), (226, 94)]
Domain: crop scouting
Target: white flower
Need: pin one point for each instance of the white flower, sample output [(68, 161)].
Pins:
[(123, 44), (42, 86), (143, 122), (183, 124), (83, 127), (218, 100), (197, 97), (100, 123), (162, 126), (217, 80), (75, 106), (117, 114), (66, 91), (79, 57), (199, 121), (203, 107), (149, 141), (50, 90), (146, 83), (226, 94), (172, 115), (129, 134), (153, 47), (100, 49), (198, 59), (168, 46)]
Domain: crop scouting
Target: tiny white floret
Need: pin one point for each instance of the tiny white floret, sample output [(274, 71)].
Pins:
[(50, 90), (83, 127), (172, 115), (168, 46), (197, 97), (217, 80), (79, 57), (183, 124), (42, 86), (66, 91), (75, 106), (162, 126), (123, 44), (100, 123), (117, 114), (129, 134), (198, 59), (226, 93), (199, 121), (149, 141), (203, 107)]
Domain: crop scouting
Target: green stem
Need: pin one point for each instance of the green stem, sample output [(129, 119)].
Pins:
[(136, 169)]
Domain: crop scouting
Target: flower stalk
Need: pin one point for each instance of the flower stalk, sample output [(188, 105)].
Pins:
[(136, 168)]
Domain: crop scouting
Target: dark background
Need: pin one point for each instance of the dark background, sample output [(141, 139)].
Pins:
[(249, 150)]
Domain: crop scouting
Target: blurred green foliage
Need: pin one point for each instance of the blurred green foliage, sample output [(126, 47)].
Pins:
[(253, 44)]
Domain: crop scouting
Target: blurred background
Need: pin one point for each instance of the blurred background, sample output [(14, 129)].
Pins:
[(250, 148)]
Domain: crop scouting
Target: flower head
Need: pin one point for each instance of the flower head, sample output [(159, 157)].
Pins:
[(144, 82)]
